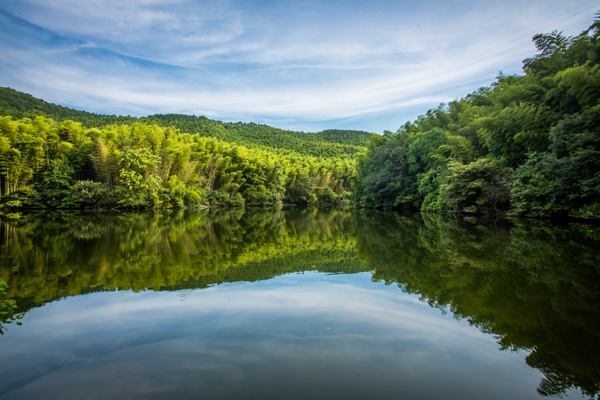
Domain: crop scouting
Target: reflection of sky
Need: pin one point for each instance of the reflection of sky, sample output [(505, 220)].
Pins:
[(298, 336)]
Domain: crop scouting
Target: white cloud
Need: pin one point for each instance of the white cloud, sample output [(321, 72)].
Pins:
[(155, 30), (307, 61)]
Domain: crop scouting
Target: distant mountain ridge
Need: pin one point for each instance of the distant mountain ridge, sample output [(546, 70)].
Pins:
[(328, 143)]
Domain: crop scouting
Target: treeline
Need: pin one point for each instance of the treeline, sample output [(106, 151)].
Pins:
[(47, 164), (527, 144), (329, 143)]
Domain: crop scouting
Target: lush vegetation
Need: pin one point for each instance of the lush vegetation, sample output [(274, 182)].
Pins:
[(329, 143), (528, 144), (108, 162)]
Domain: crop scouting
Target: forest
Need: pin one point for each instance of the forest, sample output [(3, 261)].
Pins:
[(527, 144), (55, 157)]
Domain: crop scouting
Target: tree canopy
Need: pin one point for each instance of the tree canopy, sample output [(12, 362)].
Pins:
[(528, 143), (170, 161)]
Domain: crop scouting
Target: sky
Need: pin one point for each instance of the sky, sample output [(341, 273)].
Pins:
[(299, 65)]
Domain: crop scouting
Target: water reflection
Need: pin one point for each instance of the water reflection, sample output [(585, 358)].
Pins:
[(48, 256), (300, 336), (532, 285)]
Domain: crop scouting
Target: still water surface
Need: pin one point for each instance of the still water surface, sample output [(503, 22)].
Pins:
[(298, 304)]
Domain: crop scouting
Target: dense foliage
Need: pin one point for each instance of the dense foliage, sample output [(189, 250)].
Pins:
[(529, 144), (149, 163), (328, 143)]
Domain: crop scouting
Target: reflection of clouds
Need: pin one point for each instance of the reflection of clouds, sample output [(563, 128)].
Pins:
[(345, 302), (257, 340)]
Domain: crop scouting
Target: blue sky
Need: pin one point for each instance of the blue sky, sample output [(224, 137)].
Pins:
[(301, 65)]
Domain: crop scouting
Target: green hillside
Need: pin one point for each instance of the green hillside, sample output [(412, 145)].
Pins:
[(56, 157), (23, 105), (46, 164), (329, 143)]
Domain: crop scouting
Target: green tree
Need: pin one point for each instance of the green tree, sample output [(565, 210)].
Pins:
[(139, 183), (55, 185), (480, 186)]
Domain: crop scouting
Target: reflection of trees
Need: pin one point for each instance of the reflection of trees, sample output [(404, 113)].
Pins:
[(8, 310), (533, 285), (49, 256)]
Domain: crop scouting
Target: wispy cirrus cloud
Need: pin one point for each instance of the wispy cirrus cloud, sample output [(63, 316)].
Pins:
[(299, 65)]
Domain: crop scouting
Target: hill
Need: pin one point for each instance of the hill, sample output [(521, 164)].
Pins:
[(57, 157), (328, 143)]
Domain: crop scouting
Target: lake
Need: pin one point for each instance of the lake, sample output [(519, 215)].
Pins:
[(297, 304)]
